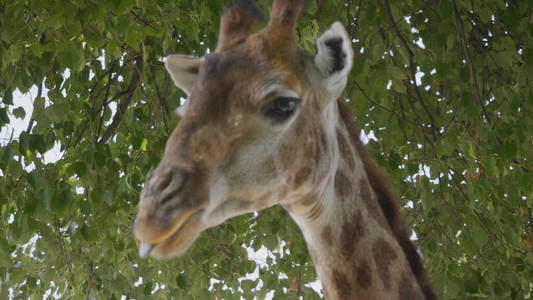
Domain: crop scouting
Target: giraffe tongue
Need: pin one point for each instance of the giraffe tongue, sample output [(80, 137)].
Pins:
[(145, 249)]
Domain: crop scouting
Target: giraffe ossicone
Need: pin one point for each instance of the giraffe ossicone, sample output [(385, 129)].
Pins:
[(264, 125)]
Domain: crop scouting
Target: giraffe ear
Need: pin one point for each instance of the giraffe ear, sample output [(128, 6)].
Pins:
[(183, 70), (334, 58)]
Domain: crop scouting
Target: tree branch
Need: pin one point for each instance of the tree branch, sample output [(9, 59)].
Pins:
[(126, 96), (318, 12), (93, 97), (161, 98), (110, 81), (412, 68), (471, 66), (146, 23)]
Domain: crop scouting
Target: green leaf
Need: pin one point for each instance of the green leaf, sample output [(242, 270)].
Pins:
[(62, 200), (8, 97), (144, 144), (122, 6), (394, 160), (114, 49), (479, 235), (19, 112), (397, 73), (4, 119), (46, 199), (491, 167), (72, 57), (510, 149), (182, 281), (36, 142), (4, 247), (147, 290), (13, 54), (444, 149), (399, 87), (30, 205), (80, 168)]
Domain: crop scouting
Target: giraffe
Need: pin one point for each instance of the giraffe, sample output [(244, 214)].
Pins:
[(264, 125)]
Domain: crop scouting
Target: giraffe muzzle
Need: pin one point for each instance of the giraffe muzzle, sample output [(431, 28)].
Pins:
[(168, 200)]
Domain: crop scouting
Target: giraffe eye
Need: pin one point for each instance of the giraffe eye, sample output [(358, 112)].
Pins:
[(281, 108)]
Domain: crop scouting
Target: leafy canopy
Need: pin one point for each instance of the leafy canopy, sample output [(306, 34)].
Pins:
[(444, 85)]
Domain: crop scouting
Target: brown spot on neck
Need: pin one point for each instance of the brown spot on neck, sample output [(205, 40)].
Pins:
[(346, 150), (363, 274), (352, 232), (320, 142), (384, 255), (301, 176), (343, 186), (371, 203), (269, 166), (326, 235), (342, 285)]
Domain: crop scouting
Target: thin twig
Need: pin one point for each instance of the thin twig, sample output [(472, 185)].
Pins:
[(411, 67), (126, 96), (110, 81), (160, 98), (318, 9), (471, 66), (143, 20), (39, 95), (93, 97)]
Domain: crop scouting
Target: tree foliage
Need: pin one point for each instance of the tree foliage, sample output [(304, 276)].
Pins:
[(444, 85)]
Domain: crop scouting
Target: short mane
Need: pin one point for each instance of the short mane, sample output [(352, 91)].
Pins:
[(388, 203)]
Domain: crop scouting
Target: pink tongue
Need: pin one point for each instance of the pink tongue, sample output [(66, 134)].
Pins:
[(145, 249)]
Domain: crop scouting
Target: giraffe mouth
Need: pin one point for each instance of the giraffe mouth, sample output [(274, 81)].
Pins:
[(177, 242), (145, 249)]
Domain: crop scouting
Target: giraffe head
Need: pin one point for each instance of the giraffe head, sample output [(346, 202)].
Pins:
[(251, 133)]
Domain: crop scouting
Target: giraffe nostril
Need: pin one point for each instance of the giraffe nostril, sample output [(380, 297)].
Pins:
[(162, 180), (164, 183), (170, 184)]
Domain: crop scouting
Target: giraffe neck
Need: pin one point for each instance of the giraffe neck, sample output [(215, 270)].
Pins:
[(351, 242)]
